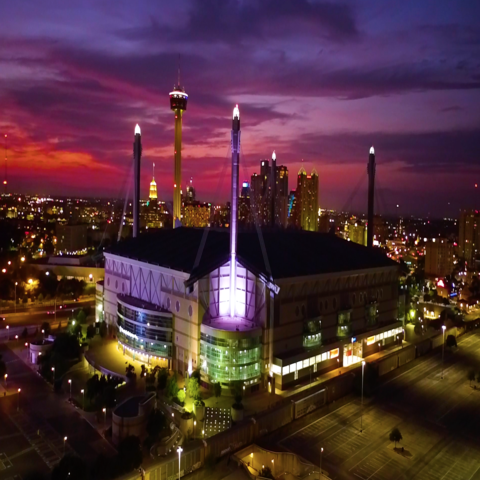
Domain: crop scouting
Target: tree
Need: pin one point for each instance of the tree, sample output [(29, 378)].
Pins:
[(162, 378), (46, 328), (217, 390), (171, 389), (102, 329), (395, 436), (130, 371), (266, 473), (451, 341), (81, 317), (76, 329), (40, 297), (193, 388), (196, 374), (109, 396), (156, 423), (130, 453), (181, 396), (237, 391), (70, 467), (67, 346), (24, 333), (471, 376), (91, 330)]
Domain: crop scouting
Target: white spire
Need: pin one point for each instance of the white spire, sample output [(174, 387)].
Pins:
[(274, 156), (236, 112), (137, 129), (372, 150)]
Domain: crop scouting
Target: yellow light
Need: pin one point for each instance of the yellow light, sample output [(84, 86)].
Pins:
[(30, 281), (22, 259)]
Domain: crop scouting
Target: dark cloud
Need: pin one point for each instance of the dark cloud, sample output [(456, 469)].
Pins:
[(235, 21)]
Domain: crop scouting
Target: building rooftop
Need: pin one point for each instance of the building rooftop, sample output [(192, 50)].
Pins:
[(290, 253), (136, 302)]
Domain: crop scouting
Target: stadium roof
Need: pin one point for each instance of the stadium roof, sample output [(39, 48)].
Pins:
[(290, 253)]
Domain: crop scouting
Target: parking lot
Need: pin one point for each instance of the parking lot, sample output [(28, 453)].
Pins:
[(439, 420)]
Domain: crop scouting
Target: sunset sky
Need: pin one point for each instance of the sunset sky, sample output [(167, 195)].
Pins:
[(318, 82)]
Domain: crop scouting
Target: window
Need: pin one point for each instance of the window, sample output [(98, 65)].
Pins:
[(326, 304), (177, 306), (370, 340), (299, 365), (190, 311), (312, 360), (293, 367), (306, 363), (325, 356), (168, 303), (354, 299), (286, 370), (319, 358), (334, 353)]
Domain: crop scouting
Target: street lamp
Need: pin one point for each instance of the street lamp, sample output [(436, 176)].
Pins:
[(105, 415), (70, 384), (5, 380), (273, 467), (18, 399), (30, 281), (361, 414), (83, 393), (203, 433), (443, 346), (194, 427), (22, 259), (15, 307), (179, 451), (53, 370), (321, 455), (64, 442)]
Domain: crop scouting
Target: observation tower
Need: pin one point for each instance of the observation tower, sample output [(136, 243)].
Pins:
[(178, 103)]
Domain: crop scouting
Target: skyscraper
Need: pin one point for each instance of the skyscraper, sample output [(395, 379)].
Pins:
[(244, 213), (469, 235), (306, 201), (260, 195), (190, 197), (153, 186), (281, 196), (178, 103), (371, 195)]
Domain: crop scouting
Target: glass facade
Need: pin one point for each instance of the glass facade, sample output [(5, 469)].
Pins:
[(149, 333), (225, 360)]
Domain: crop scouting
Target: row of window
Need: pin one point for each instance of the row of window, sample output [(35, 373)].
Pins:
[(153, 348), (131, 329), (242, 344), (145, 318), (233, 357)]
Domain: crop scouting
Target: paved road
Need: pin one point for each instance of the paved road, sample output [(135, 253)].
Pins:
[(438, 418), (32, 437)]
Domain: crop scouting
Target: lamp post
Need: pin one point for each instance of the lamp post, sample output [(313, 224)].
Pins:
[(70, 384), (203, 433), (15, 307), (273, 467), (361, 414), (321, 455), (104, 415), (5, 380), (83, 393), (18, 399), (443, 347), (53, 370), (179, 451), (194, 427), (64, 442)]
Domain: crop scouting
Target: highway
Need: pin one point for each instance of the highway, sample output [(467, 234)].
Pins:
[(439, 420), (38, 315)]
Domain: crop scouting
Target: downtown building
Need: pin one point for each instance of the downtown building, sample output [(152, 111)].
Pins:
[(303, 202)]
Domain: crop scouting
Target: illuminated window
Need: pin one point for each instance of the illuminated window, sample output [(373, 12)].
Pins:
[(319, 358), (306, 363), (299, 365), (334, 353), (293, 367), (285, 370), (312, 360), (370, 340)]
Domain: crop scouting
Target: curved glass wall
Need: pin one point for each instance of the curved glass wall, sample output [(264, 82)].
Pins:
[(142, 329), (225, 359)]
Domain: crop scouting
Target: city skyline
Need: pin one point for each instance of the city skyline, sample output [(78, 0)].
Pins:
[(72, 96)]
